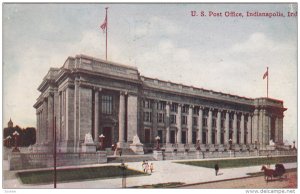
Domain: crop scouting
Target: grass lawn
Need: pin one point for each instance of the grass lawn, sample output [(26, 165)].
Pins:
[(241, 162), (67, 175)]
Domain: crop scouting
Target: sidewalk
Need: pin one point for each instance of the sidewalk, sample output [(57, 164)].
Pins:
[(164, 171)]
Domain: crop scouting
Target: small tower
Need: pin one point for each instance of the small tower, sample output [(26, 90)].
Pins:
[(10, 124)]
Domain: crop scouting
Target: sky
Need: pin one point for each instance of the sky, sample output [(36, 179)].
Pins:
[(227, 54)]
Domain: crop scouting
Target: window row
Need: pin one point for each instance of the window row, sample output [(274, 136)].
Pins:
[(173, 120)]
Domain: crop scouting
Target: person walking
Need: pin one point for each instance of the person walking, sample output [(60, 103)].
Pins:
[(217, 168), (144, 165), (151, 167)]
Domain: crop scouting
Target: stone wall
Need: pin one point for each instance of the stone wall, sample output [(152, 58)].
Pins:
[(177, 155), (19, 161)]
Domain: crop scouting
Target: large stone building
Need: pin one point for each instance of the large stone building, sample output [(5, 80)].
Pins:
[(89, 95)]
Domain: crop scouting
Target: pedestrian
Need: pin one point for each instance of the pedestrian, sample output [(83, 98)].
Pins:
[(216, 168), (120, 152), (143, 165), (151, 167)]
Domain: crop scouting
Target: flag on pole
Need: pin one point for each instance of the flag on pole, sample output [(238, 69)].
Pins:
[(104, 24), (266, 74)]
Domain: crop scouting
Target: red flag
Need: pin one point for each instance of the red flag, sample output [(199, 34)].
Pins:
[(104, 25), (266, 74)]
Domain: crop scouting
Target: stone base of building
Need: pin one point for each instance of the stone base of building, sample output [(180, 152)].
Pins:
[(19, 161), (88, 147), (137, 148)]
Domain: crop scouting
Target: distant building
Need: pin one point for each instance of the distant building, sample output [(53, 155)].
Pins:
[(89, 95), (10, 124)]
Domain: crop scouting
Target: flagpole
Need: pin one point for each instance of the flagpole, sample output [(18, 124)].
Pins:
[(106, 33), (267, 82)]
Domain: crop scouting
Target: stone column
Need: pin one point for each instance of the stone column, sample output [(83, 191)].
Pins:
[(280, 130), (96, 117), (276, 130), (266, 128), (261, 126), (234, 138), (167, 122), (255, 126), (209, 126), (45, 121), (226, 135), (249, 134), (218, 141), (37, 141), (190, 125), (50, 118), (242, 129), (179, 124), (200, 124), (76, 115), (132, 110), (121, 120)]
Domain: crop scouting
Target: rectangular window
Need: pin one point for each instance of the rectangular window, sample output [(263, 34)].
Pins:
[(147, 117), (204, 121), (205, 112), (173, 119), (185, 109), (195, 121), (184, 120), (196, 111), (174, 107), (222, 123), (238, 124), (146, 104), (215, 114), (214, 123), (160, 117), (161, 105), (107, 104)]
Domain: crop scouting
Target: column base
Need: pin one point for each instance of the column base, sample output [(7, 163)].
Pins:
[(122, 145)]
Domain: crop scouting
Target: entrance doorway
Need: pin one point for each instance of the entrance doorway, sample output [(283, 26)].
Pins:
[(172, 136), (147, 136), (107, 131)]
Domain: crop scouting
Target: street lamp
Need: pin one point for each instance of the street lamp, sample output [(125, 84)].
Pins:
[(101, 137), (16, 137), (123, 168), (157, 138)]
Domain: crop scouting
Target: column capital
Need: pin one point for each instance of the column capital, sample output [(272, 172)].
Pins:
[(123, 93), (97, 89), (168, 102)]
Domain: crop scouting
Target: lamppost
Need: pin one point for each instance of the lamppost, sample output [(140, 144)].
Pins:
[(101, 137), (16, 138), (123, 168), (157, 138), (230, 147)]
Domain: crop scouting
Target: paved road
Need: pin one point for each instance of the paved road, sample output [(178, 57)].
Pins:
[(164, 171), (250, 183)]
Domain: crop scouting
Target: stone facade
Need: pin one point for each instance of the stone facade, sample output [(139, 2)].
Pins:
[(88, 95)]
